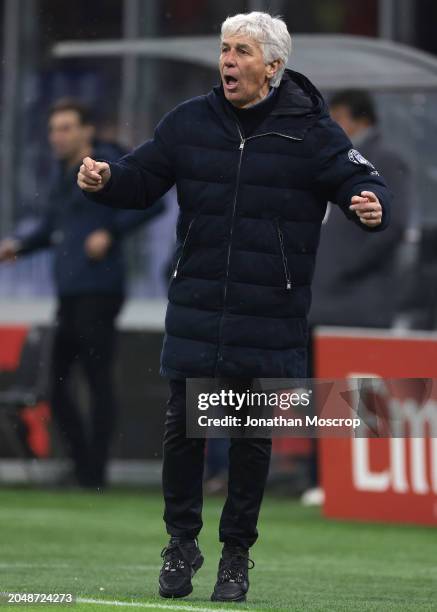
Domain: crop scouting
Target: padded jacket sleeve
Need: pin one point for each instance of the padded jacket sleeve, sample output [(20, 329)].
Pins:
[(341, 173), (143, 176)]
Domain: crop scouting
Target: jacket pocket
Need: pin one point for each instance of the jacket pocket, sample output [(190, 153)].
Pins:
[(286, 268)]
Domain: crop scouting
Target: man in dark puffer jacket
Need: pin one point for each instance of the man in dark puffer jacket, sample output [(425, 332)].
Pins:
[(255, 162)]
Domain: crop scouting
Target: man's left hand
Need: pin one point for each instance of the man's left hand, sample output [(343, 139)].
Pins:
[(97, 244), (368, 208)]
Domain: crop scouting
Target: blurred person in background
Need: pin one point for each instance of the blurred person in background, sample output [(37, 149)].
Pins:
[(255, 162), (89, 280), (355, 281), (357, 277)]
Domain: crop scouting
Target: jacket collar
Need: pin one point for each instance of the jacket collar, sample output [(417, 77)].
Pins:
[(299, 105)]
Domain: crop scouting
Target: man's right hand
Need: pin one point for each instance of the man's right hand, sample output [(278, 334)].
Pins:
[(8, 249), (93, 175)]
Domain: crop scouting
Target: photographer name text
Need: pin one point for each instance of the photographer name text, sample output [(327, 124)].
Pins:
[(276, 421)]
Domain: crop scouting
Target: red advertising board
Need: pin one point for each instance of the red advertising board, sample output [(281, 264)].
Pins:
[(385, 479), (11, 342), (35, 418)]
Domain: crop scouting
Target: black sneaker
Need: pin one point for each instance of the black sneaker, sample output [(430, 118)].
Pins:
[(182, 559), (232, 578)]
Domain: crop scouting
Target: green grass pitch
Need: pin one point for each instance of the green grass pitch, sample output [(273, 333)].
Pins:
[(107, 546)]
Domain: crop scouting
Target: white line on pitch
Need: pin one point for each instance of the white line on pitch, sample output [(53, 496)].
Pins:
[(268, 567), (126, 567), (155, 606)]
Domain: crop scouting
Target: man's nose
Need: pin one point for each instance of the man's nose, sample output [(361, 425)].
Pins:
[(229, 61), (230, 58)]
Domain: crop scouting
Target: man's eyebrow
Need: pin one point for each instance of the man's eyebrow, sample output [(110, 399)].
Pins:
[(244, 46)]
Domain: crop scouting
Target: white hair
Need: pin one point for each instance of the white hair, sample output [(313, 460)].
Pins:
[(269, 32)]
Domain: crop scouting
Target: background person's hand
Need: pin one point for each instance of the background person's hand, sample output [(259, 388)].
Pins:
[(97, 244), (93, 175), (8, 249), (368, 208)]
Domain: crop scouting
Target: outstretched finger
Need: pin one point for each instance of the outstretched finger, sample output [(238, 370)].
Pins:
[(88, 163), (370, 195)]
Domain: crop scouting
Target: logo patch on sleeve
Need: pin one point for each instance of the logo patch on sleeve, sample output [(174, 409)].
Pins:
[(356, 158)]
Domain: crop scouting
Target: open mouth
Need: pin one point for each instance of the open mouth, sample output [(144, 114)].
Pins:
[(230, 82)]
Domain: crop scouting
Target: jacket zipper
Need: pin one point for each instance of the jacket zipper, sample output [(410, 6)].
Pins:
[(228, 257), (234, 206), (175, 271), (284, 257)]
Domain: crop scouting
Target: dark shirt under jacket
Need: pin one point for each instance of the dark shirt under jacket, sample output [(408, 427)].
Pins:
[(249, 118)]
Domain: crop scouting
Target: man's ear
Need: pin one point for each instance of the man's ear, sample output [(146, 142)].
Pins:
[(273, 67)]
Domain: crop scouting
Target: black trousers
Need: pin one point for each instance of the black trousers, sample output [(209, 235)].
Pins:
[(85, 335), (183, 466)]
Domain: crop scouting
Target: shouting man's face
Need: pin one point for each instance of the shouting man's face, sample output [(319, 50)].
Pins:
[(244, 74)]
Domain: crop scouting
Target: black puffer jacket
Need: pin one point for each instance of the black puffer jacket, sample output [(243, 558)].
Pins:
[(248, 229)]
